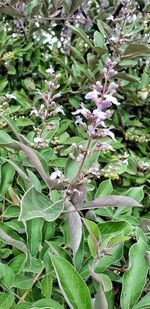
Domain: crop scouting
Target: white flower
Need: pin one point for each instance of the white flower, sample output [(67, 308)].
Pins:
[(56, 174), (111, 99), (92, 95), (10, 96), (100, 115), (38, 139), (107, 132), (84, 111), (59, 109), (34, 112)]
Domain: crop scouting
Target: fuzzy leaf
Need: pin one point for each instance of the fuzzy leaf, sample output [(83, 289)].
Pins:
[(136, 50), (112, 201), (100, 300), (13, 242), (36, 205), (73, 287), (6, 300), (133, 282), (34, 234), (105, 188), (75, 228), (143, 303)]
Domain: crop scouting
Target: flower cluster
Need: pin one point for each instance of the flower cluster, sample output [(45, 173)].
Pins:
[(49, 107), (122, 20), (103, 97)]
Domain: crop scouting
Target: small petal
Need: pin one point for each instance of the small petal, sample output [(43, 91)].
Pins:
[(111, 99), (34, 112), (56, 174), (38, 139), (92, 95)]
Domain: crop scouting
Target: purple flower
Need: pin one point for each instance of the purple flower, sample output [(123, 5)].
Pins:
[(50, 72), (107, 132), (111, 99), (84, 111), (112, 88), (92, 95), (103, 98)]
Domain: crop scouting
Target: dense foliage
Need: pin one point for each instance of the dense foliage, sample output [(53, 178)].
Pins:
[(74, 155)]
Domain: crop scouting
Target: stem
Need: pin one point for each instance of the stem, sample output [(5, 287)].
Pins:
[(22, 298), (93, 267), (51, 18), (82, 163), (122, 270)]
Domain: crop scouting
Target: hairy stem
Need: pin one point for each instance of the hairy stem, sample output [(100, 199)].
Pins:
[(22, 298)]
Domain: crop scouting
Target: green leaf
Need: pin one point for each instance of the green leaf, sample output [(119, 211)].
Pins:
[(74, 5), (91, 160), (24, 305), (107, 284), (33, 265), (71, 168), (7, 175), (99, 39), (17, 263), (34, 180), (36, 205), (94, 236), (125, 76), (77, 54), (115, 254), (46, 285), (11, 11), (23, 281), (136, 50), (23, 99), (47, 304), (34, 234), (57, 250), (105, 188), (133, 281), (136, 193), (6, 300), (36, 9), (13, 242), (3, 84), (82, 35), (115, 226), (57, 3), (11, 70), (143, 303), (7, 276), (24, 122), (71, 284), (6, 140)]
